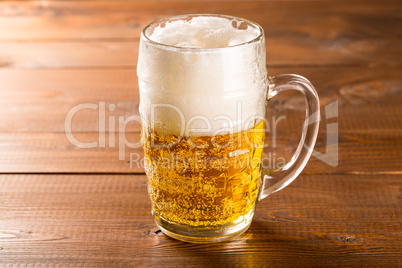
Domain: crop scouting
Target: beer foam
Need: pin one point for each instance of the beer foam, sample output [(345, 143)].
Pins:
[(204, 32), (207, 90)]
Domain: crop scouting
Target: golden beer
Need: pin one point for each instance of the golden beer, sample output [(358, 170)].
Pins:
[(203, 180)]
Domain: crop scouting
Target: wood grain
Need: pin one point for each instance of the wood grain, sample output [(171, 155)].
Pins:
[(106, 220), (281, 51), (125, 19), (358, 153), (39, 100), (105, 33)]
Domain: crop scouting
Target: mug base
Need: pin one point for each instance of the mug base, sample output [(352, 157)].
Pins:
[(210, 234)]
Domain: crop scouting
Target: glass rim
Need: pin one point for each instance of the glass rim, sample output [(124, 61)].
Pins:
[(254, 40)]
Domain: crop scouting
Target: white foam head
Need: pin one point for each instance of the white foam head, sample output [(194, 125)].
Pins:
[(204, 32), (207, 71)]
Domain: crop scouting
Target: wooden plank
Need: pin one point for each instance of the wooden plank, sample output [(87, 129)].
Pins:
[(35, 104), (39, 100), (125, 19), (87, 220), (54, 153), (358, 153), (105, 33), (281, 51), (64, 54)]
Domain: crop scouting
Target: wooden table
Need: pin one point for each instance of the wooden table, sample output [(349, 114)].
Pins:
[(63, 206)]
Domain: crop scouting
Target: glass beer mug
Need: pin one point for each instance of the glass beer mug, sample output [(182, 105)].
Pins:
[(203, 94)]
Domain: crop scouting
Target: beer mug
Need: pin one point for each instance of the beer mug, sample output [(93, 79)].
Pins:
[(203, 94)]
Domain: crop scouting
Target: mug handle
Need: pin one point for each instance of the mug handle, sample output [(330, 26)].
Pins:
[(274, 181)]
